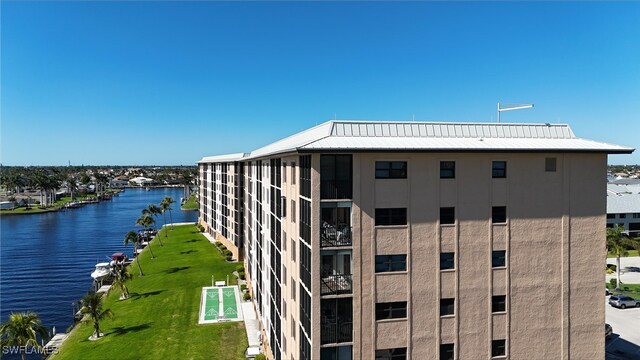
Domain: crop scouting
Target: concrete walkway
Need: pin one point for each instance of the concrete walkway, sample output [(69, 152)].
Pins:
[(629, 269), (209, 237), (251, 323)]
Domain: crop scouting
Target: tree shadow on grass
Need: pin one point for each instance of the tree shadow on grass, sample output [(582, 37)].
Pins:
[(188, 252), (192, 241), (136, 296), (121, 330), (175, 269)]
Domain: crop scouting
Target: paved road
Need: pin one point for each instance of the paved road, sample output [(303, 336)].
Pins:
[(630, 267), (625, 343)]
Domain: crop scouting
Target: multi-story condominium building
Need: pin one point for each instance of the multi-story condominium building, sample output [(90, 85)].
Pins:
[(623, 206), (410, 240)]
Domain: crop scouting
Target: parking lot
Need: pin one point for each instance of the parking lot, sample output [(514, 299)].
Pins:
[(625, 342)]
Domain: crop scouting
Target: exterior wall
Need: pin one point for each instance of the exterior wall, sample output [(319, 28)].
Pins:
[(290, 259), (211, 189), (554, 237)]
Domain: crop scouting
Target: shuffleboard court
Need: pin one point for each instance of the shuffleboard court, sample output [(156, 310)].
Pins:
[(219, 304)]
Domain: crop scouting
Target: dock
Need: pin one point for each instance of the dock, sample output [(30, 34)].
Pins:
[(54, 344)]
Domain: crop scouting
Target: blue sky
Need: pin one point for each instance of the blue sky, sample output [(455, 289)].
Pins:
[(167, 83)]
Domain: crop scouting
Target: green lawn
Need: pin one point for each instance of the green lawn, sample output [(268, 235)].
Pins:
[(631, 253), (191, 204), (160, 319)]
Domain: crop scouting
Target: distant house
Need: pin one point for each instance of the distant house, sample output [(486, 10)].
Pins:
[(118, 183), (171, 182), (142, 181), (7, 205)]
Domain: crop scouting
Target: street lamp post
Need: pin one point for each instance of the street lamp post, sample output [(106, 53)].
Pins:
[(507, 107)]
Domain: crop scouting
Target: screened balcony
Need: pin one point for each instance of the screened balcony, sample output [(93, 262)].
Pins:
[(335, 229)]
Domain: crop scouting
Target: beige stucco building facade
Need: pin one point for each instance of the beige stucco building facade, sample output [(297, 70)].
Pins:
[(391, 240)]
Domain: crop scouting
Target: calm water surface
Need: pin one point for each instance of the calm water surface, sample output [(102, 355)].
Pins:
[(46, 259)]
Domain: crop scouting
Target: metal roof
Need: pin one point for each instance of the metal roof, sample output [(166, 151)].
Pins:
[(345, 135)]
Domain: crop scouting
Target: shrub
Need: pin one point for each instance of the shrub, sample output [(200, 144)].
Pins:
[(221, 247), (200, 227), (613, 282), (243, 287), (240, 267), (247, 297), (228, 252), (229, 257), (242, 276)]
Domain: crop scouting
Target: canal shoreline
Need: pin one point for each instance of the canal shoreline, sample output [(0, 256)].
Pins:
[(47, 260)]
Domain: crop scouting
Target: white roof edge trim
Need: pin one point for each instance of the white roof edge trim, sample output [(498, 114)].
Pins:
[(223, 158)]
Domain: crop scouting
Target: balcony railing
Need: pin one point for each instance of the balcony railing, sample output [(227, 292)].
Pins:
[(336, 332), (337, 284), (331, 235), (336, 189)]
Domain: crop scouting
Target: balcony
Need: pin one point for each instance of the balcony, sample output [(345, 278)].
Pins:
[(335, 332), (331, 235), (337, 284)]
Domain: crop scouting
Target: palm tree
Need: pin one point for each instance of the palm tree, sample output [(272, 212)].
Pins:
[(154, 210), (121, 276), (617, 244), (72, 186), (134, 238), (166, 205), (146, 221), (92, 305), (22, 330)]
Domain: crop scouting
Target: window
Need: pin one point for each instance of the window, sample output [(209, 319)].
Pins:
[(385, 263), (336, 353), (498, 258), (293, 250), (293, 289), (498, 303), (613, 216), (447, 307), (550, 164), (284, 275), (498, 348), (635, 215), (284, 308), (293, 173), (447, 169), (447, 215), (293, 210), (446, 351), (391, 169), (499, 214), (499, 169), (293, 326), (391, 354), (391, 310), (391, 216), (284, 172), (283, 209), (622, 216), (447, 261)]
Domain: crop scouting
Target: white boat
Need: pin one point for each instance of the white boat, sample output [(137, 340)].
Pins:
[(102, 270)]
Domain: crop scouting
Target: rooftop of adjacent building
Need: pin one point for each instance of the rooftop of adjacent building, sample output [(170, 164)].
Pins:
[(355, 135), (623, 198)]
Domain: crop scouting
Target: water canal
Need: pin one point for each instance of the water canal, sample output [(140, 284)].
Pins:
[(46, 259)]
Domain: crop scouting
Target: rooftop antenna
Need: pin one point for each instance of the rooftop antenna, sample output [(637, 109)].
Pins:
[(507, 107)]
